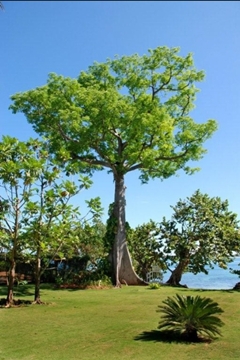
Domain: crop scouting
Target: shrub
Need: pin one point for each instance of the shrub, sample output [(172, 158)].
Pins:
[(190, 316), (154, 286), (103, 281)]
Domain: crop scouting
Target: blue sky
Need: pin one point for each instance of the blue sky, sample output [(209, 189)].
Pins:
[(66, 37)]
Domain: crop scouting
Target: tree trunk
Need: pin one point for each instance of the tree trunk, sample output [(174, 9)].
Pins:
[(191, 334), (11, 279), (12, 270), (122, 264), (37, 298), (176, 275)]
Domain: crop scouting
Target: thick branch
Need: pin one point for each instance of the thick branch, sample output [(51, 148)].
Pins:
[(88, 160), (65, 137), (115, 133), (101, 154), (164, 158), (91, 160)]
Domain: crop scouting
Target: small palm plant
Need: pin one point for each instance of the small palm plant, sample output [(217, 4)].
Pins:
[(190, 316)]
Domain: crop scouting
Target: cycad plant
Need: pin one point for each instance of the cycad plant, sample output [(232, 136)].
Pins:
[(190, 316)]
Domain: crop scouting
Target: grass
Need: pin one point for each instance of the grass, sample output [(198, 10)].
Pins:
[(107, 325)]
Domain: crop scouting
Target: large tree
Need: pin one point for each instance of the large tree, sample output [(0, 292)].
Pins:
[(129, 113), (202, 232)]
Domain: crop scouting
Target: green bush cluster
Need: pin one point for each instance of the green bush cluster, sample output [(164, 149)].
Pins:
[(154, 286)]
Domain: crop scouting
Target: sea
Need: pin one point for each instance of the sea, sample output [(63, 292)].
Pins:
[(217, 278)]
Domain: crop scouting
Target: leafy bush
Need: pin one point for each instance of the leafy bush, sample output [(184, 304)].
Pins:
[(98, 284), (154, 286), (190, 316), (83, 279)]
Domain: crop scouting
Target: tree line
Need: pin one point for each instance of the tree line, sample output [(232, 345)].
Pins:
[(130, 113)]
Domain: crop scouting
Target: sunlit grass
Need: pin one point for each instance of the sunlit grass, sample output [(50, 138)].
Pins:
[(108, 324)]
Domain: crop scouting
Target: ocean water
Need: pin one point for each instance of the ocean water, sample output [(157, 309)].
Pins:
[(217, 278)]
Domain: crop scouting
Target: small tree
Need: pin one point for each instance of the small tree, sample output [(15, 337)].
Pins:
[(50, 221), (202, 232), (190, 316), (18, 171), (144, 247), (130, 113), (36, 219), (86, 250)]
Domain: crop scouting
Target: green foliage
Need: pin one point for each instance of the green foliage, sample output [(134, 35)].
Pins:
[(19, 169), (190, 316), (4, 265), (96, 280), (22, 282), (36, 218), (128, 113), (154, 286), (88, 242), (144, 247), (202, 232), (236, 272), (111, 229)]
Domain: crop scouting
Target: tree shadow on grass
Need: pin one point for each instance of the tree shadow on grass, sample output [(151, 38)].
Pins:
[(20, 290), (23, 291), (210, 290), (75, 287), (3, 290), (166, 336), (159, 336)]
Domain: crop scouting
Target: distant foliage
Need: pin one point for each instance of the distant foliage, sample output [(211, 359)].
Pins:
[(144, 248)]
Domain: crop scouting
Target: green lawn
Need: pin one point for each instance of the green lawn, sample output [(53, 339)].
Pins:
[(108, 324)]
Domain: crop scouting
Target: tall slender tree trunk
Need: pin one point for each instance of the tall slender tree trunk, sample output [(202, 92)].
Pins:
[(12, 269), (37, 298), (11, 278), (122, 264)]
